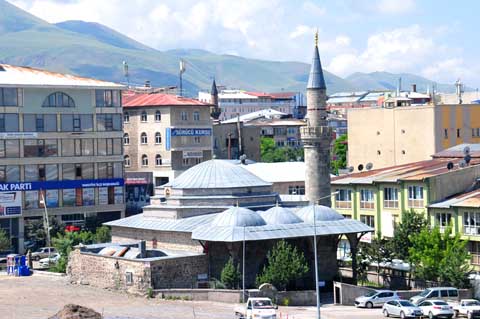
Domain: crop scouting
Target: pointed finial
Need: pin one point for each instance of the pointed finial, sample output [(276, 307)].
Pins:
[(316, 38), (238, 205)]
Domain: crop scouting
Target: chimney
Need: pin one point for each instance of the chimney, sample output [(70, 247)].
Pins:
[(414, 88), (147, 83), (142, 246)]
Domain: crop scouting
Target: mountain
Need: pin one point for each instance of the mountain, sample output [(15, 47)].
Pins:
[(389, 81), (93, 50)]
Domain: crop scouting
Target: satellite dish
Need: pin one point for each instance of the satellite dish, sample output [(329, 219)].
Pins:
[(351, 169), (449, 165), (466, 150), (467, 159), (462, 164), (360, 167), (369, 166)]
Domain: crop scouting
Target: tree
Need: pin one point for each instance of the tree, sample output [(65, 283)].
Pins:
[(339, 154), (379, 251), (285, 264), (411, 223), (269, 152), (230, 275), (4, 240), (35, 230), (440, 257), (64, 244), (103, 235)]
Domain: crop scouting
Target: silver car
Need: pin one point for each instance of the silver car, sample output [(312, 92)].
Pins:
[(402, 309), (376, 298)]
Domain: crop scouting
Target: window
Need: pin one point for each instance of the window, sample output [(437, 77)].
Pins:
[(390, 197), (9, 173), (158, 138), (106, 170), (196, 116), (9, 148), (77, 147), (184, 116), (9, 97), (471, 223), (415, 197), (366, 199), (368, 220), (58, 99), (126, 117), (144, 160), (107, 98), (9, 122), (296, 190), (458, 132), (158, 116), (76, 123), (343, 199), (158, 160), (476, 132), (126, 139), (144, 116), (109, 146), (109, 122), (445, 133), (39, 123), (40, 148), (126, 160), (474, 249), (129, 278), (143, 138), (196, 139), (442, 220)]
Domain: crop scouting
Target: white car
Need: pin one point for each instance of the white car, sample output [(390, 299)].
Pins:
[(467, 307), (257, 308), (402, 309), (436, 309), (376, 298), (47, 262)]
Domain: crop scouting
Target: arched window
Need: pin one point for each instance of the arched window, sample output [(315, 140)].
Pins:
[(158, 138), (126, 139), (144, 160), (158, 160), (158, 116), (143, 138), (126, 160), (126, 117), (58, 99), (144, 116)]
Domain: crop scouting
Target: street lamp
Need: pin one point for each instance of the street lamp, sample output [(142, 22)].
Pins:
[(317, 289)]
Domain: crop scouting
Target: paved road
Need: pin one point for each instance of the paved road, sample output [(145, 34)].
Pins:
[(39, 297)]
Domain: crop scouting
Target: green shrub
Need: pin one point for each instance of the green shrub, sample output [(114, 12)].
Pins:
[(230, 275)]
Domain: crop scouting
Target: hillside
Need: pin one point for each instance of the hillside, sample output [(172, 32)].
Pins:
[(93, 50)]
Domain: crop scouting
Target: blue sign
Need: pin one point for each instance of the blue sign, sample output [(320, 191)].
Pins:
[(191, 131), (85, 183), (168, 134)]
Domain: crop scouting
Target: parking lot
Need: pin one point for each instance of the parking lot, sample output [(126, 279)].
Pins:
[(40, 296)]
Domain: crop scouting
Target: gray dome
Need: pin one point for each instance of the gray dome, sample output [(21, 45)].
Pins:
[(238, 216), (322, 214), (280, 216), (216, 174)]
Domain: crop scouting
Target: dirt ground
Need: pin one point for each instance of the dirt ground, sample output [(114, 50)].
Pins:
[(40, 296)]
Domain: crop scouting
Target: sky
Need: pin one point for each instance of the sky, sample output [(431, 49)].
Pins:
[(436, 39)]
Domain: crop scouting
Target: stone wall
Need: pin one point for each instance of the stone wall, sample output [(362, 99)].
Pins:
[(163, 239), (178, 272)]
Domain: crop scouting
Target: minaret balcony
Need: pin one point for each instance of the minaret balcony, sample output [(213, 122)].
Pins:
[(315, 132)]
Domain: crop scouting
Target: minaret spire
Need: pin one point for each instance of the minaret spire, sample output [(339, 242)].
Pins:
[(214, 109)]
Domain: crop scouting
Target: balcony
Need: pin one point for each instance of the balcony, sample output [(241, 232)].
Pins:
[(343, 204), (390, 204), (367, 205), (416, 203), (475, 259), (471, 230)]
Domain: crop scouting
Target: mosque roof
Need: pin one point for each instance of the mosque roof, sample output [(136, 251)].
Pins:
[(280, 216), (238, 217), (321, 213), (216, 174), (316, 79)]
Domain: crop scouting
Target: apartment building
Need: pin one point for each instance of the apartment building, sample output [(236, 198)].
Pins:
[(60, 146), (165, 134), (405, 134)]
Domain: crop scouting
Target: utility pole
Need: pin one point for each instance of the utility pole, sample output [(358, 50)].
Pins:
[(46, 223), (182, 70)]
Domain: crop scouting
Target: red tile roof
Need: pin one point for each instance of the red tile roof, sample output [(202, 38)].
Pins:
[(132, 99), (280, 95)]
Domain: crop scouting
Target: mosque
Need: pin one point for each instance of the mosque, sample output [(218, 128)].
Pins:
[(214, 208)]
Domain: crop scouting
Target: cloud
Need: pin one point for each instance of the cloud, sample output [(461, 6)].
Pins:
[(450, 69), (395, 6), (302, 30)]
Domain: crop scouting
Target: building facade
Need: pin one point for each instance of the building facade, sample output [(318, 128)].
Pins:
[(399, 135), (60, 146), (165, 134)]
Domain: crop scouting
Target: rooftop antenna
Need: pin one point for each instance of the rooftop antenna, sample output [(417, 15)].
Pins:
[(182, 70), (459, 90), (399, 87), (125, 72), (369, 166)]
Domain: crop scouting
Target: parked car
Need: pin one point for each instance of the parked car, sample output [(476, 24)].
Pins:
[(402, 309), (257, 308), (49, 261), (43, 253), (467, 307), (448, 294), (376, 298), (436, 309)]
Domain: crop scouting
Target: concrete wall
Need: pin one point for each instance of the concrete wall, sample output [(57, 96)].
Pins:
[(441, 186)]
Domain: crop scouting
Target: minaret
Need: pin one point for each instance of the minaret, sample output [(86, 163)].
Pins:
[(214, 109), (316, 136)]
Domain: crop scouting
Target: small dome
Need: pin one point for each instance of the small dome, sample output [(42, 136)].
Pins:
[(322, 213), (280, 216), (238, 216)]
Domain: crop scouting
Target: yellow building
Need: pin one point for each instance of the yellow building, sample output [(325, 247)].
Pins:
[(406, 134)]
